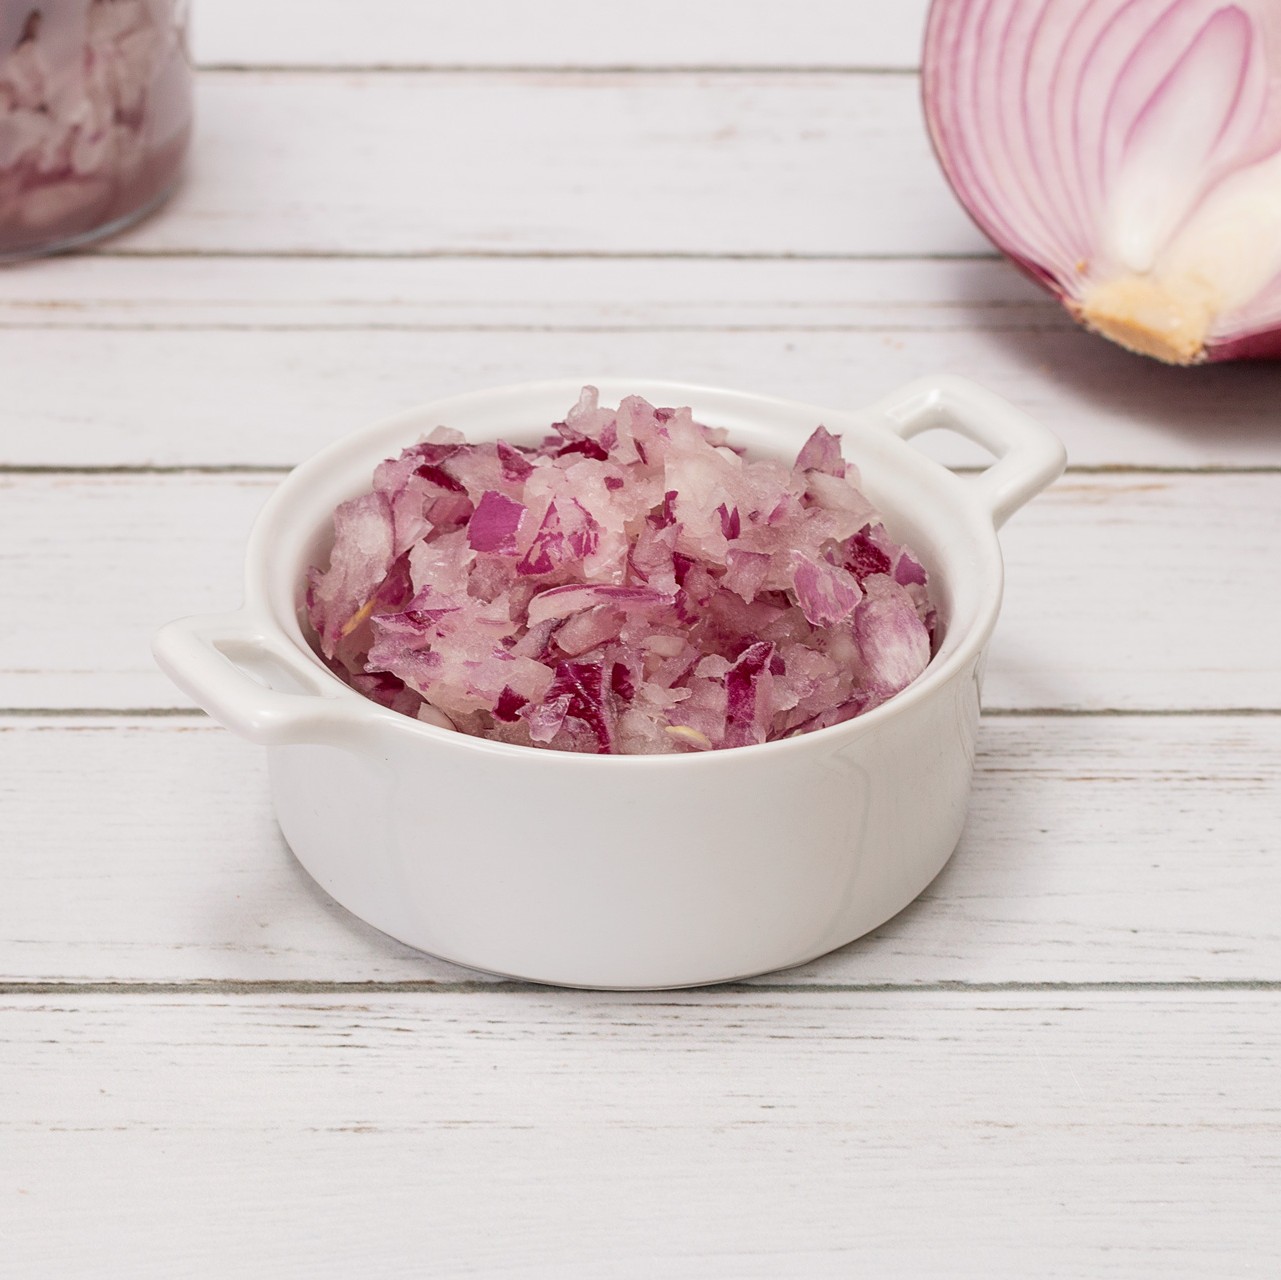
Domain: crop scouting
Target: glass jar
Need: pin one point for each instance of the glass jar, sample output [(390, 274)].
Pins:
[(95, 116)]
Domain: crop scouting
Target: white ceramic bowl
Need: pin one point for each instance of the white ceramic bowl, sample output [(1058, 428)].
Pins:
[(627, 871)]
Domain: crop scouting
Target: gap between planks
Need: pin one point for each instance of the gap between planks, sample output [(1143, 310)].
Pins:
[(1052, 325), (529, 255), (473, 986)]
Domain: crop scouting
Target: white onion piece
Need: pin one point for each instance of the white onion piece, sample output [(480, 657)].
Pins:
[(1126, 154)]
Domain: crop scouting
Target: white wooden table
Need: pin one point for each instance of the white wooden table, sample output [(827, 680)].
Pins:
[(1063, 1060)]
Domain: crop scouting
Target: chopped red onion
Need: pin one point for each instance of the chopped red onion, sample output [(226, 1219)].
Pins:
[(495, 523), (95, 114), (632, 585), (1126, 154)]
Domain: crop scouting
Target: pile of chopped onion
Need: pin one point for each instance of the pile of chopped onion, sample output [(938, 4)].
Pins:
[(1127, 155), (632, 585)]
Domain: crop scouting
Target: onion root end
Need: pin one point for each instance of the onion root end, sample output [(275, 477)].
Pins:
[(1148, 317)]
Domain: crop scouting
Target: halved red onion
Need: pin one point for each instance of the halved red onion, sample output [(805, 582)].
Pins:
[(1126, 154)]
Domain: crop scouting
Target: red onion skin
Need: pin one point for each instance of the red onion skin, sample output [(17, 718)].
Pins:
[(1249, 346), (1262, 345), (1037, 274)]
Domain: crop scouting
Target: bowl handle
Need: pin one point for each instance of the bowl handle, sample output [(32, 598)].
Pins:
[(1028, 457), (213, 659)]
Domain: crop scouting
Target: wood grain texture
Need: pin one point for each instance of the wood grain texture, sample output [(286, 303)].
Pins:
[(1120, 591), (559, 33), (1060, 1061), (405, 163), (260, 362), (1098, 850), (532, 1134)]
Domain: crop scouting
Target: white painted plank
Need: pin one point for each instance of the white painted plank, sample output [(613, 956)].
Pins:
[(554, 1135), (1143, 592), (87, 292), (537, 162), (559, 33), (98, 563), (144, 548), (794, 1130), (116, 362), (1111, 849)]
